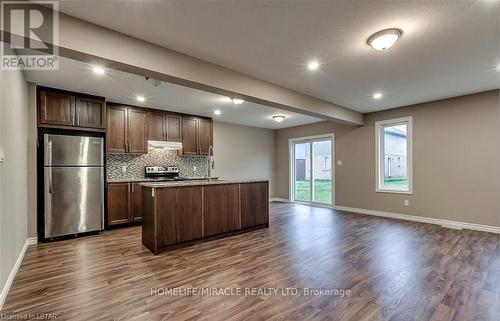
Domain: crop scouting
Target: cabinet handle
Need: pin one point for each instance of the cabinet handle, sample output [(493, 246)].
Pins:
[(78, 119), (133, 187)]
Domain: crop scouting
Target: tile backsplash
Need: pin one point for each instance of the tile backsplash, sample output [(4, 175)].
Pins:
[(135, 164)]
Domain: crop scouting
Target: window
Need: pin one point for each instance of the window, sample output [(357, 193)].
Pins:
[(394, 155)]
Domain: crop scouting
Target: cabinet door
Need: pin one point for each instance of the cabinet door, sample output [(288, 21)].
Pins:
[(116, 132), (56, 109), (165, 225), (90, 112), (204, 136), (118, 203), (173, 128), (156, 126), (220, 208), (190, 135), (189, 213), (254, 204), (137, 131), (135, 202)]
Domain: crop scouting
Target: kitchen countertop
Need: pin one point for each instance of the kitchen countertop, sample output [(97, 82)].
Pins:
[(199, 182), (139, 180)]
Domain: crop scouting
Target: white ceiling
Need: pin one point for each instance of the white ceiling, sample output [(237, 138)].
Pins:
[(448, 48), (123, 87)]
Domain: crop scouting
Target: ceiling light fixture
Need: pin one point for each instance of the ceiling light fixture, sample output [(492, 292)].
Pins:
[(278, 118), (238, 101), (98, 70), (384, 39), (140, 99), (377, 95), (217, 112), (313, 65)]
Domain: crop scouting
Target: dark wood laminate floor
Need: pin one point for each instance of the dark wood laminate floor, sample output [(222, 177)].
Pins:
[(395, 270)]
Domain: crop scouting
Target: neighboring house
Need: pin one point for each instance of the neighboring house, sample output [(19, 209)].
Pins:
[(395, 153), (322, 161)]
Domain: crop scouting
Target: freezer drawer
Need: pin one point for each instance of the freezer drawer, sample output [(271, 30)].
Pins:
[(74, 200), (65, 150)]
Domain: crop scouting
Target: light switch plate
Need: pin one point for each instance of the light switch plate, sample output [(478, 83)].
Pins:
[(339, 162), (2, 154)]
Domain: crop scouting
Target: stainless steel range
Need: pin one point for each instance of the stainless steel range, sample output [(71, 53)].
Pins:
[(160, 173)]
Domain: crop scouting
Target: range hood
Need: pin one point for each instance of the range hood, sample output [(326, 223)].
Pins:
[(164, 145)]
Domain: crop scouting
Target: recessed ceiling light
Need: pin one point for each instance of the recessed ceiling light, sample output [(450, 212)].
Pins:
[(313, 65), (98, 70), (140, 99), (279, 118), (217, 112), (384, 39), (377, 95), (238, 101)]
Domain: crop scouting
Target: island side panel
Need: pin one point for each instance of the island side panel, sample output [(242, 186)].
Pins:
[(220, 208), (189, 209), (254, 204), (166, 216), (148, 220)]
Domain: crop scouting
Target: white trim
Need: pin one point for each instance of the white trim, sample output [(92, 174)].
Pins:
[(13, 272), (278, 199), (409, 151), (32, 240), (422, 219)]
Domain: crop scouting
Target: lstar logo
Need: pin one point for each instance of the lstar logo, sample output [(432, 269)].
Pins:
[(30, 34)]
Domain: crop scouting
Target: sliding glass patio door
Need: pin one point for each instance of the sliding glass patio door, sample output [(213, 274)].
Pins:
[(313, 171)]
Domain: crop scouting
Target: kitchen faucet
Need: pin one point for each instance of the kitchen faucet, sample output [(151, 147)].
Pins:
[(210, 162)]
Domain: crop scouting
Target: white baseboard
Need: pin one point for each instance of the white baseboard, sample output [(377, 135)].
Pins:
[(13, 272), (32, 240), (421, 219), (278, 199)]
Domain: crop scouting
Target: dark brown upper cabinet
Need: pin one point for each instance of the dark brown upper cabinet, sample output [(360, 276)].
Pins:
[(126, 130), (90, 113), (197, 135), (164, 127), (66, 110)]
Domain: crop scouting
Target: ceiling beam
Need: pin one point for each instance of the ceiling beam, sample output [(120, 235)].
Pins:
[(87, 42)]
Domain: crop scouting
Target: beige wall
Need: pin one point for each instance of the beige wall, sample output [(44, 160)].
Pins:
[(456, 156), (32, 159), (243, 152), (13, 188)]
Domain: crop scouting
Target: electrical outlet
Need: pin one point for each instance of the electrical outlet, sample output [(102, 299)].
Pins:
[(124, 169), (339, 162), (195, 168), (406, 202)]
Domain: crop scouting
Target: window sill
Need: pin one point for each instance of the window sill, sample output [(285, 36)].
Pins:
[(394, 191)]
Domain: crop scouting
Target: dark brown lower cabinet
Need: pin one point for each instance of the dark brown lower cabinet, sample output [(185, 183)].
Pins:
[(118, 203), (135, 202), (179, 216), (183, 215), (124, 203), (254, 204), (220, 208)]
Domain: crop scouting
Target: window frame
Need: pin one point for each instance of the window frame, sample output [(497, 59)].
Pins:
[(379, 170)]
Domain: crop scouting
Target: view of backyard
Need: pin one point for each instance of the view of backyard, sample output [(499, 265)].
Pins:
[(322, 190), (396, 184)]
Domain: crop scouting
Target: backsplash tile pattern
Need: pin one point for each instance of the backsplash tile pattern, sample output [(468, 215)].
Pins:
[(155, 157)]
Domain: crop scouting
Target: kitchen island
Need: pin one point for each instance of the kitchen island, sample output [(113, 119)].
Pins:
[(177, 214)]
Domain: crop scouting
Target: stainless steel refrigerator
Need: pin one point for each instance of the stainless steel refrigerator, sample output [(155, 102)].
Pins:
[(73, 184)]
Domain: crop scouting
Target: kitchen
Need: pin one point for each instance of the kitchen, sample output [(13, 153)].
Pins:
[(138, 149), (250, 160)]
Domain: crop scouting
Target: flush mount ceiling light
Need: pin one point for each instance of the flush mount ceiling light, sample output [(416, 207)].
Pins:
[(98, 70), (313, 65), (384, 39), (217, 112), (278, 118), (238, 101), (140, 99), (377, 95)]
